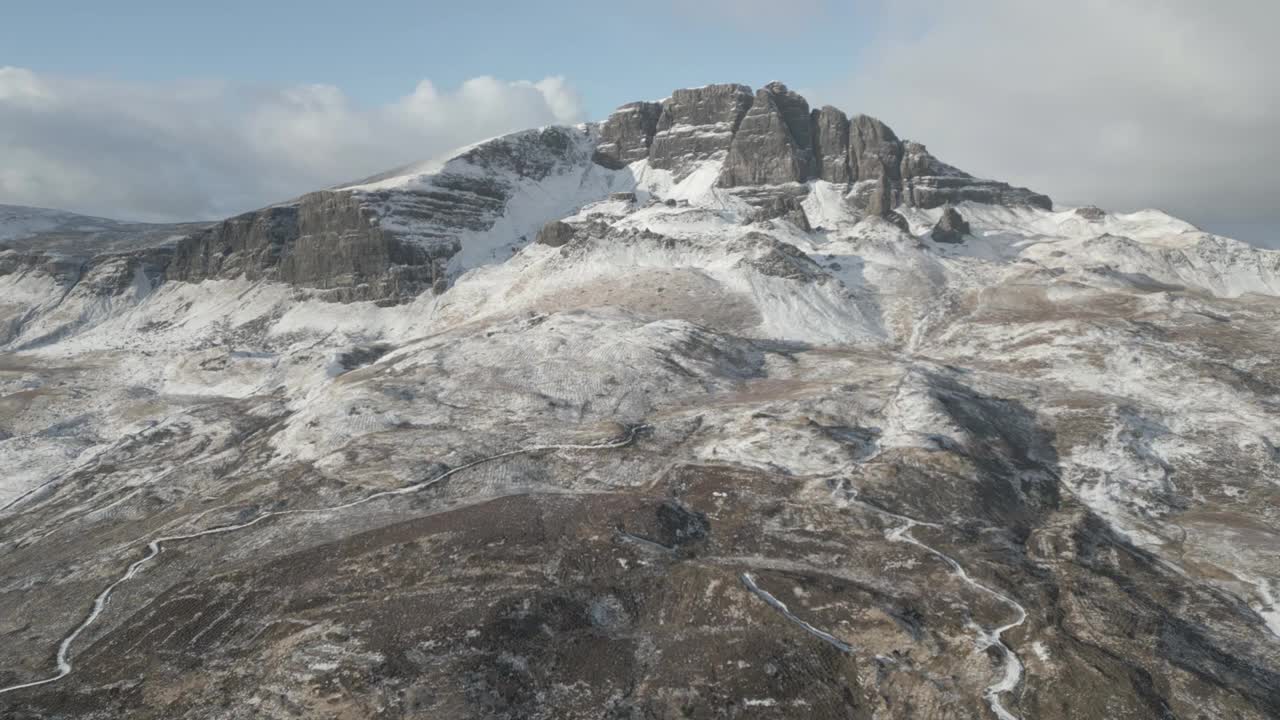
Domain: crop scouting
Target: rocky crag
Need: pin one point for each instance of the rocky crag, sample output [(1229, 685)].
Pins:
[(773, 138)]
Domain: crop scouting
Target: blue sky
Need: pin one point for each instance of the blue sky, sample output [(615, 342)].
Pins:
[(375, 52)]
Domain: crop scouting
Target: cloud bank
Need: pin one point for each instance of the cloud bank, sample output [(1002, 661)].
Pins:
[(209, 149), (1123, 103)]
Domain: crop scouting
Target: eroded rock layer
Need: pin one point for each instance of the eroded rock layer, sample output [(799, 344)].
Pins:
[(773, 138)]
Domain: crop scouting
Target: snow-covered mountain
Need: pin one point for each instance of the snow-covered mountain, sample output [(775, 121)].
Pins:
[(722, 407)]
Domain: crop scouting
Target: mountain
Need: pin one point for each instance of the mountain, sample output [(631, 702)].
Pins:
[(724, 407)]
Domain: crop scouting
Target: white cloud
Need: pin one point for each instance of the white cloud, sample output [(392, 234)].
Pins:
[(1123, 103), (20, 86), (211, 149)]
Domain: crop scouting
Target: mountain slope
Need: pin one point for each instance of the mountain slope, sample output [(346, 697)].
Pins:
[(723, 407)]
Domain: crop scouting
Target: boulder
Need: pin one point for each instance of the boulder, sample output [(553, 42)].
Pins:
[(951, 227), (555, 234), (1092, 213)]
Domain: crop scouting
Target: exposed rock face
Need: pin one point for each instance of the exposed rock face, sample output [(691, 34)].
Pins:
[(555, 234), (65, 272), (917, 162), (328, 240), (874, 150), (697, 124), (114, 275), (779, 259), (773, 139), (470, 194), (89, 285), (928, 183), (1091, 213), (831, 145), (785, 207), (774, 142), (378, 240), (387, 238), (880, 202), (932, 192), (951, 227), (764, 198), (626, 136)]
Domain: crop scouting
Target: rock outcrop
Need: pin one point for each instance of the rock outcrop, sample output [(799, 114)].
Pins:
[(626, 136), (697, 124), (773, 143), (387, 238), (874, 150), (918, 162), (329, 241), (785, 207), (772, 138), (79, 290), (880, 200), (391, 237), (932, 192), (555, 234), (951, 227), (831, 145)]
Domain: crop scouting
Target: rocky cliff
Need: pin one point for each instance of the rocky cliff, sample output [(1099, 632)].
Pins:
[(330, 241), (772, 139), (697, 124)]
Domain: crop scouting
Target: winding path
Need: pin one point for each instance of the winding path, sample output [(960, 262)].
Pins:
[(1012, 663), (156, 546)]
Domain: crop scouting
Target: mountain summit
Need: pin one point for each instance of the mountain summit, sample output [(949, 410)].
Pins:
[(724, 407), (772, 139)]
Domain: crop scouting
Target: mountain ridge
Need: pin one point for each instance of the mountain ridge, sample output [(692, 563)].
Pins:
[(382, 262)]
